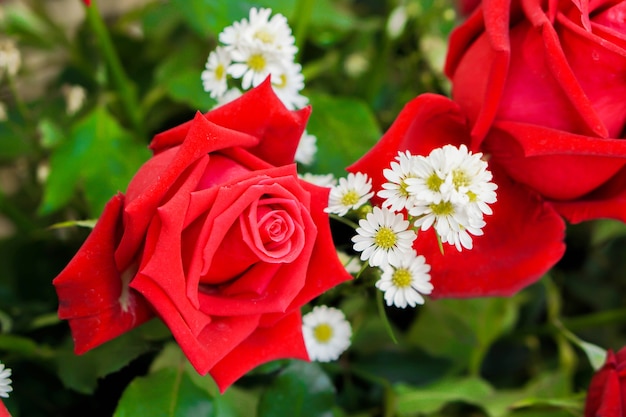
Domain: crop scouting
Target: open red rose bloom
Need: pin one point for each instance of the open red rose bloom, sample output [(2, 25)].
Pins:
[(542, 83), (218, 236), (538, 88)]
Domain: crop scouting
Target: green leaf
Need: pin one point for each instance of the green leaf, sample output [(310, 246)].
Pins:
[(413, 401), (100, 156), (90, 224), (209, 17), (301, 390), (345, 129), (463, 330), (81, 372), (168, 392)]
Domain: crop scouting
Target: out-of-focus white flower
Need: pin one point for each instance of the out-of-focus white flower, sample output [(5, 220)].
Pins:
[(214, 76), (273, 33), (405, 282), (10, 58), (350, 194), (5, 381), (352, 263), (383, 237), (75, 96), (305, 153), (326, 333), (321, 180)]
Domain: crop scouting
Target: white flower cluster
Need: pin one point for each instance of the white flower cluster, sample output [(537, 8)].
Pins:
[(251, 50), (450, 190)]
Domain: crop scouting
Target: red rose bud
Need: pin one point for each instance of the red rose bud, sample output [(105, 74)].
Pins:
[(87, 2), (523, 238), (542, 84), (218, 236), (606, 396)]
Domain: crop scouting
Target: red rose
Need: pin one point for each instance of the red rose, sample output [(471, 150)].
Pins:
[(543, 85), (522, 239), (218, 236), (607, 392)]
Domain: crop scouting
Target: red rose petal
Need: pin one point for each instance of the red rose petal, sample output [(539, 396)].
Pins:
[(522, 240), (259, 113), (92, 294), (608, 201), (282, 340)]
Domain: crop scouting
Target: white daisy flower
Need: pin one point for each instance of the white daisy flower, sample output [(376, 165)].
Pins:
[(446, 216), (327, 180), (305, 153), (232, 36), (5, 381), (383, 237), (287, 84), (425, 185), (274, 33), (326, 333), (468, 179), (351, 193), (214, 79), (253, 64), (405, 282), (395, 192)]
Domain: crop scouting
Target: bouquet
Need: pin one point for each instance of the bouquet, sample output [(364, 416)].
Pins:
[(312, 208)]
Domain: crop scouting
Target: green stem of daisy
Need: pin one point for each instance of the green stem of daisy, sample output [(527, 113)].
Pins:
[(343, 220), (383, 316), (121, 81), (363, 268)]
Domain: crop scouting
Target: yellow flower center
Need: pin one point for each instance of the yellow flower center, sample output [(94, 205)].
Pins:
[(323, 333), (444, 208), (219, 72), (257, 62), (434, 182), (460, 179), (264, 36), (472, 196), (350, 198), (403, 186), (401, 278), (283, 81), (385, 238)]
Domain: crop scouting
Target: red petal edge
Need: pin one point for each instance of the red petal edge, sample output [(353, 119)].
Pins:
[(90, 287)]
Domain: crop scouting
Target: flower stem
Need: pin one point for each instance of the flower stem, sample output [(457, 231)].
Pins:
[(121, 81), (383, 316), (344, 220)]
